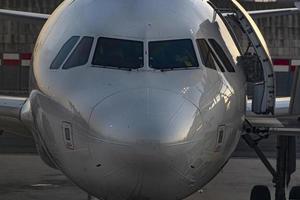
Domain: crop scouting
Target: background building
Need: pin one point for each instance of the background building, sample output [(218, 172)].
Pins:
[(17, 40)]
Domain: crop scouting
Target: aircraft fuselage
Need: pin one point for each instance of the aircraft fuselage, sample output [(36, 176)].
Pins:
[(140, 133)]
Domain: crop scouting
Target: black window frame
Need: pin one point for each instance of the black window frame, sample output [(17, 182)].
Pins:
[(118, 66), (222, 55), (64, 52), (68, 63), (196, 66)]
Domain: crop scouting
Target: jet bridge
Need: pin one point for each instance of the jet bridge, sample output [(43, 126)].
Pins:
[(259, 127), (258, 68), (285, 127), (256, 60), (260, 63)]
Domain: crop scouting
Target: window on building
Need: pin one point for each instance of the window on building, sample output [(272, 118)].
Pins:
[(119, 53), (219, 50), (64, 52), (171, 54)]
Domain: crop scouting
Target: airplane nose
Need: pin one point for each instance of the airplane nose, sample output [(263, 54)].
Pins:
[(144, 115), (142, 143)]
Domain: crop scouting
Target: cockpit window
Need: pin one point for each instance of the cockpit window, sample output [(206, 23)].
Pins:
[(172, 54), (81, 53), (64, 52), (222, 55), (208, 57), (119, 53)]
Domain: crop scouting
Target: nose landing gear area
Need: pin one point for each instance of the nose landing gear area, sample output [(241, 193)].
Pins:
[(295, 193), (262, 192)]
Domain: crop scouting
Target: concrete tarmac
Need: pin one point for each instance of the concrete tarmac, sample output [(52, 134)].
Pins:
[(23, 176), (26, 177)]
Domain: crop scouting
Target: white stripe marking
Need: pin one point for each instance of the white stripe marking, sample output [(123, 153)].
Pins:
[(11, 56), (295, 62), (26, 62), (281, 68)]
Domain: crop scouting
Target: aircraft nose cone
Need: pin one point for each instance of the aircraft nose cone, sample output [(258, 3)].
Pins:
[(144, 115)]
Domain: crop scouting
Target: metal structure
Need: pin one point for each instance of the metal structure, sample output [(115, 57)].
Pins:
[(285, 128), (265, 102)]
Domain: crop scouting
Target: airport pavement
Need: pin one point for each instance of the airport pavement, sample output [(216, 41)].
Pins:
[(26, 177), (10, 143), (23, 176)]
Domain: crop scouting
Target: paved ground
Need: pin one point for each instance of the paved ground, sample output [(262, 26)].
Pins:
[(25, 177)]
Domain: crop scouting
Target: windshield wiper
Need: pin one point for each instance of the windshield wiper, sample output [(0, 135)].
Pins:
[(173, 69), (109, 67), (165, 70)]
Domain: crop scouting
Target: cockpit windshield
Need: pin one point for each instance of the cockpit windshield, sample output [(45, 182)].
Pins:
[(119, 53), (172, 54)]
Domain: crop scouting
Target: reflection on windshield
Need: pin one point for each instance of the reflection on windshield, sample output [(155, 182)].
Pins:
[(119, 53), (172, 54)]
